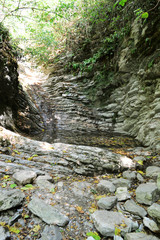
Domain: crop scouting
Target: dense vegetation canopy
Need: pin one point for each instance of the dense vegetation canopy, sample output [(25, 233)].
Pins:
[(41, 27)]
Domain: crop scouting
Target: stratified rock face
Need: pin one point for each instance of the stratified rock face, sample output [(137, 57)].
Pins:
[(8, 80), (16, 110), (8, 71)]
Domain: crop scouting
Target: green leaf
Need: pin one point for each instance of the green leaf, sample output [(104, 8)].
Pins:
[(14, 229), (140, 162), (122, 2), (117, 231), (94, 235), (27, 187), (13, 185), (145, 15), (4, 185), (52, 190), (17, 152)]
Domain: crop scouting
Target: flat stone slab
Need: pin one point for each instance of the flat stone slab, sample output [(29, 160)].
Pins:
[(152, 225), (139, 236), (107, 202), (121, 182), (51, 233), (158, 181), (3, 234), (154, 211), (152, 171), (10, 198), (132, 207), (24, 177), (105, 186), (47, 213), (129, 175), (122, 194), (44, 184), (106, 221), (147, 193), (81, 189)]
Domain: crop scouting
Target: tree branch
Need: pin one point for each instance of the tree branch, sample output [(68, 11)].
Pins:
[(154, 6), (37, 9)]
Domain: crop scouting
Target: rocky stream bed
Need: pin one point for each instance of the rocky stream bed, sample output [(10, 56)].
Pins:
[(75, 181)]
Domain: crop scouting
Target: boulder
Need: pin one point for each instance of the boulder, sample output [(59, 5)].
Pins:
[(120, 182), (105, 186), (152, 225), (107, 202), (147, 193), (122, 194), (47, 213), (3, 234), (152, 171), (158, 181), (106, 221), (139, 236), (132, 207), (129, 175), (24, 177), (154, 211), (10, 198), (51, 233)]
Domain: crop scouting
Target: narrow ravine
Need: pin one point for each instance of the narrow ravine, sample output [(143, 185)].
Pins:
[(74, 177)]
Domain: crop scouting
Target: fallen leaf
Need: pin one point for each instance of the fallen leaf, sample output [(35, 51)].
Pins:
[(79, 209), (13, 185), (36, 228)]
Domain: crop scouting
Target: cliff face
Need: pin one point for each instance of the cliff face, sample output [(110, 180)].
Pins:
[(121, 75), (16, 111), (138, 99), (105, 81), (8, 79)]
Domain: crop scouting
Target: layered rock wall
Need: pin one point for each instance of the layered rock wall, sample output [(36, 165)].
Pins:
[(129, 105), (17, 112)]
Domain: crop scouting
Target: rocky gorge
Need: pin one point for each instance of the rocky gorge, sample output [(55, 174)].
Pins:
[(80, 160)]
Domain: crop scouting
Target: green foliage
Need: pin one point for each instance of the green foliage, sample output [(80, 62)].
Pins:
[(3, 33), (94, 235), (13, 185), (41, 27), (145, 15), (28, 187), (120, 2), (38, 26)]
